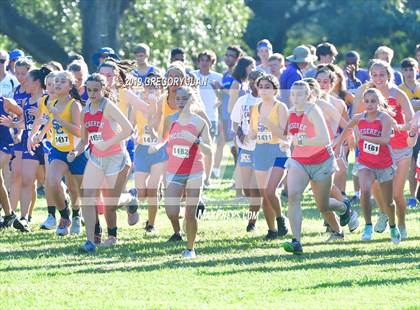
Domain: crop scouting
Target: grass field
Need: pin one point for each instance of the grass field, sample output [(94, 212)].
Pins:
[(233, 269)]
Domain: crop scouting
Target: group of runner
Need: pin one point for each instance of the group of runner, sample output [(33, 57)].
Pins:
[(288, 123)]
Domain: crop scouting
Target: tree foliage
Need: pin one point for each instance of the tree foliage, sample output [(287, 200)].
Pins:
[(352, 24), (193, 25)]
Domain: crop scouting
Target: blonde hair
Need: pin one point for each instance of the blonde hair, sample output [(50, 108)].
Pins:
[(386, 50), (383, 64)]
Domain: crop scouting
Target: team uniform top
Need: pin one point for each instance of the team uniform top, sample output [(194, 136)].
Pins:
[(5, 137), (20, 96), (305, 154), (142, 77), (184, 156), (143, 127), (373, 155), (264, 136), (411, 93), (100, 129), (60, 137), (399, 137)]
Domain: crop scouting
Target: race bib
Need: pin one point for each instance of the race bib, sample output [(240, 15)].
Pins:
[(245, 158), (62, 140), (148, 140), (95, 137), (264, 137), (370, 148), (181, 151)]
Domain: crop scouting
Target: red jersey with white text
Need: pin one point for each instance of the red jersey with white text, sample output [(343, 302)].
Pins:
[(184, 156), (100, 129), (306, 155), (372, 155)]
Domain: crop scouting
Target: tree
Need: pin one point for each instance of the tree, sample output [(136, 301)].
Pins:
[(55, 27), (351, 24)]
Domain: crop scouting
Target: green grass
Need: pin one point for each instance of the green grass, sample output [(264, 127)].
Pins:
[(233, 269)]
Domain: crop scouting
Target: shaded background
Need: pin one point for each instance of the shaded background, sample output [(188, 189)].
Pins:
[(49, 29)]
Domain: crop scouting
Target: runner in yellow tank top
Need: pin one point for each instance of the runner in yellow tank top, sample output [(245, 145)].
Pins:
[(268, 123), (149, 165)]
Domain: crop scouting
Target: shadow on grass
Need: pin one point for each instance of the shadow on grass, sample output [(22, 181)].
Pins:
[(366, 282)]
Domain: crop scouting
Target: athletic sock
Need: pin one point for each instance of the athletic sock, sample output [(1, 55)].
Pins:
[(392, 226), (368, 224), (75, 212), (112, 232), (65, 213), (51, 210), (98, 229)]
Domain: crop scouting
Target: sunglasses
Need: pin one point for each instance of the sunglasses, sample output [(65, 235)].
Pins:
[(2, 61)]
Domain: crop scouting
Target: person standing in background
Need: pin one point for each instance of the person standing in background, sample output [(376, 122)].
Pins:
[(210, 84), (386, 54), (233, 53), (299, 60), (264, 51)]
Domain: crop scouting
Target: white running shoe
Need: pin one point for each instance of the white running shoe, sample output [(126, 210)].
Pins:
[(188, 254), (63, 227), (111, 241), (381, 223), (403, 232), (50, 223), (367, 233), (76, 224), (354, 221), (395, 235), (334, 236)]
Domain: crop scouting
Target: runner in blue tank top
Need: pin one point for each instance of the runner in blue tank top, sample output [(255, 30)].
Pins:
[(7, 106)]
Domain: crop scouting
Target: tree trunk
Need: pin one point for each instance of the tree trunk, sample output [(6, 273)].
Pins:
[(29, 36), (100, 23)]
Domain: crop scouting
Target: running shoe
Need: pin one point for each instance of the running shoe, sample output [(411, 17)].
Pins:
[(201, 209), (149, 228), (12, 220), (367, 233), (354, 221), (281, 226), (63, 227), (50, 223), (335, 236), (89, 247), (111, 241), (395, 235), (403, 232), (132, 214), (175, 238), (188, 254), (271, 235), (345, 218), (381, 223), (293, 247), (97, 238), (250, 227), (76, 223), (355, 200), (411, 202)]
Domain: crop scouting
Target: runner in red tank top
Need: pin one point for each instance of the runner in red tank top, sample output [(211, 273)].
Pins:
[(375, 161), (104, 128), (335, 120), (311, 161), (402, 112), (188, 138)]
